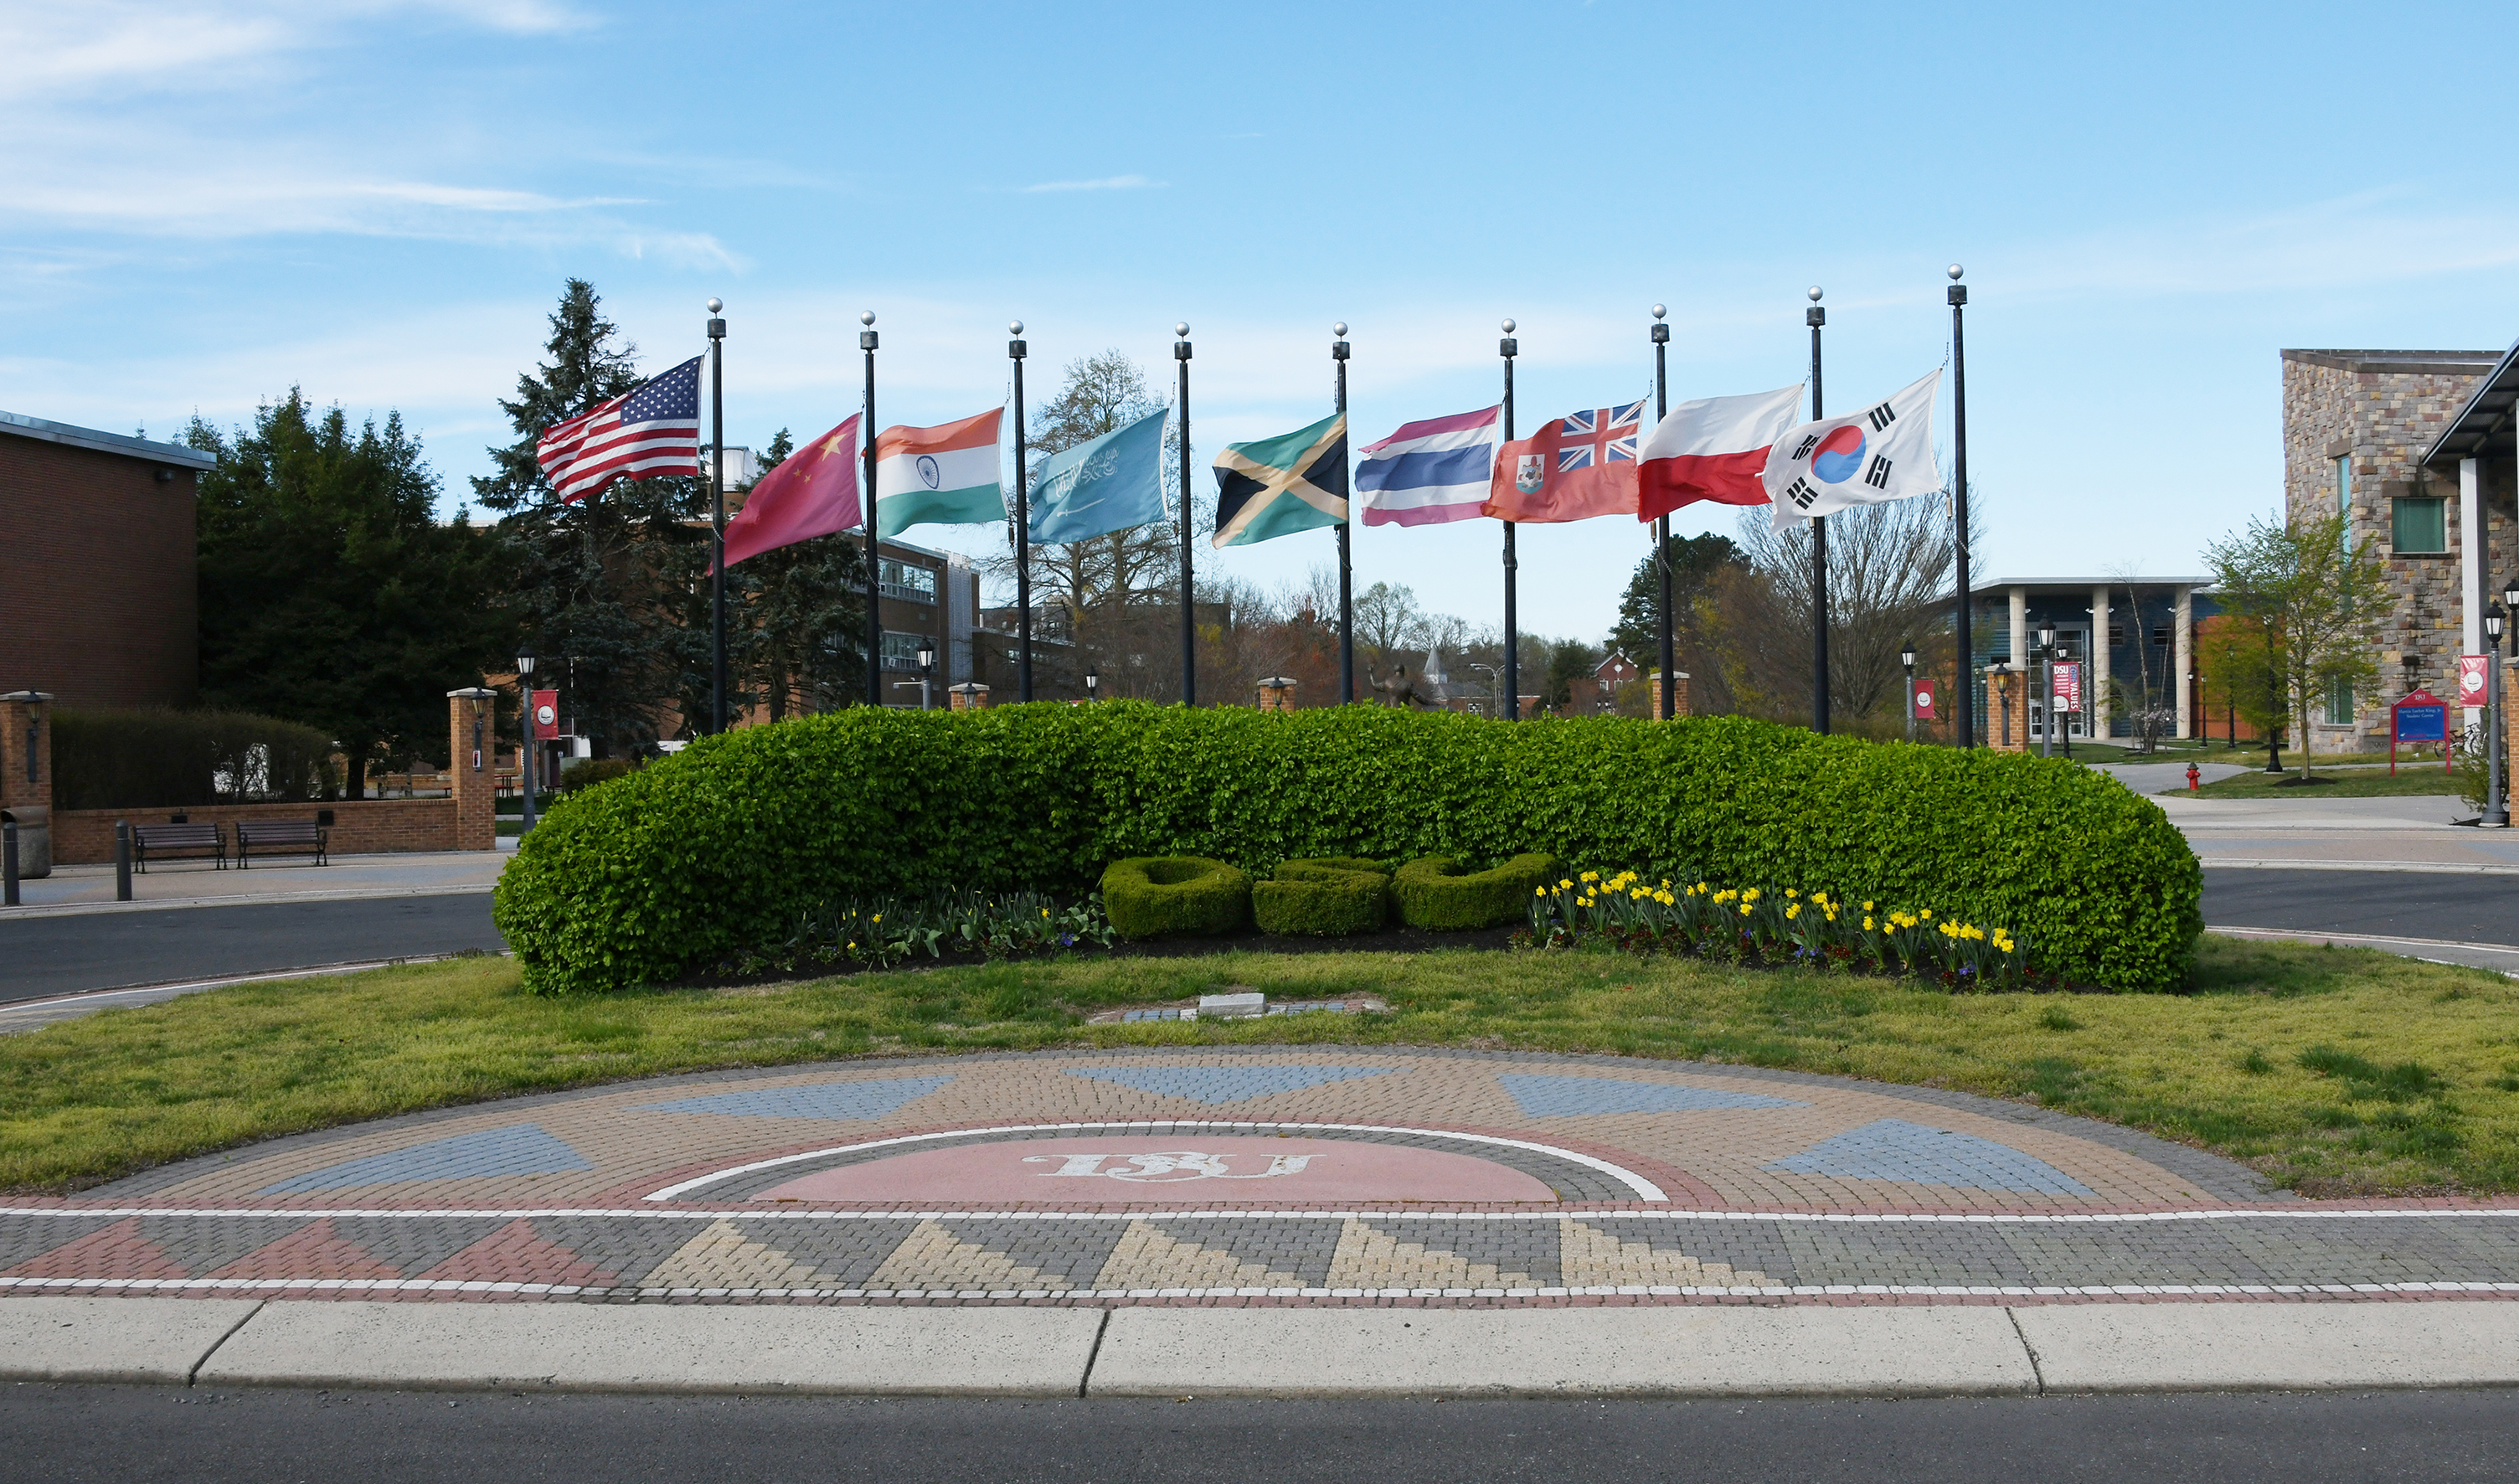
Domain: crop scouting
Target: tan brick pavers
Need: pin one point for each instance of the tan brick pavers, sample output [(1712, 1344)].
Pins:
[(1208, 1175)]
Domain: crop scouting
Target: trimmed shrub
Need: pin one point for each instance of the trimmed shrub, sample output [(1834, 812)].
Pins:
[(586, 773), (724, 843), (153, 759), (1156, 896), (1444, 895), (1323, 898)]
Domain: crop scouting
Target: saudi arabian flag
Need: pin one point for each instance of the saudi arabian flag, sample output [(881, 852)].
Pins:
[(1278, 486), (938, 476)]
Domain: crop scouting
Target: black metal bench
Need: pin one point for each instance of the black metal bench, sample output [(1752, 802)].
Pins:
[(298, 837), (149, 839)]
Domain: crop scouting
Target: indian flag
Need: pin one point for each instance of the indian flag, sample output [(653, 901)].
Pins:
[(945, 475)]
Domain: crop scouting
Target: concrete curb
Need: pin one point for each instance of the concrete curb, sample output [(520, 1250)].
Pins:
[(1893, 1351)]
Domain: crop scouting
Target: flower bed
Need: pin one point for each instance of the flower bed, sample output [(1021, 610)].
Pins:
[(1748, 923)]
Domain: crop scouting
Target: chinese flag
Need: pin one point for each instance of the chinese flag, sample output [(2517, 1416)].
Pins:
[(813, 492)]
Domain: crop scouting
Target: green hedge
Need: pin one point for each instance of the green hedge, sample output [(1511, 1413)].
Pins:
[(163, 758), (1323, 898), (1448, 895), (1159, 896), (725, 842)]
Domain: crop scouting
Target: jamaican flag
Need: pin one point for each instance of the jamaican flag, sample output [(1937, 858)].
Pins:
[(1278, 486)]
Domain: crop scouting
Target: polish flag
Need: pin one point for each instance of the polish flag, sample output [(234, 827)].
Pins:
[(813, 493), (1715, 448)]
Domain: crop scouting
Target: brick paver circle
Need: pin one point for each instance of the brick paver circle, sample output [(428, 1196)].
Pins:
[(1282, 1174)]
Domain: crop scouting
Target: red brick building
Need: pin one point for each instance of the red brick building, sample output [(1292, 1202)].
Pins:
[(97, 567)]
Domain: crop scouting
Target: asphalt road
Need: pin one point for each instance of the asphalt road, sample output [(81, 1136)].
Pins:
[(42, 956), (202, 1437), (2456, 908)]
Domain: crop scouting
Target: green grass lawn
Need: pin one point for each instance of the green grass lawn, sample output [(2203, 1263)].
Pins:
[(2412, 781), (2334, 1070)]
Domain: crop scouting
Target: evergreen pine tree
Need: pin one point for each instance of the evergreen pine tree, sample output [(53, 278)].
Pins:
[(614, 587)]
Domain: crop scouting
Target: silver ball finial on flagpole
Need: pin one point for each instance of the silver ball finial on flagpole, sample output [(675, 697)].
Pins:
[(866, 317), (1339, 330), (1508, 327), (1955, 270), (716, 304), (1814, 293), (1659, 311), (1014, 327), (1180, 327)]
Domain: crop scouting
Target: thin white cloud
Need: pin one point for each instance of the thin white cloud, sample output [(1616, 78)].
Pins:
[(1107, 183)]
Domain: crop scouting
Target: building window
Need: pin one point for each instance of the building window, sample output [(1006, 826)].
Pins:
[(907, 582), (2160, 635), (900, 650), (2344, 498), (2421, 526), (2339, 703)]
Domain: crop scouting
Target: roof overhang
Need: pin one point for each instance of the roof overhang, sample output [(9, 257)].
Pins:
[(45, 431), (2484, 424)]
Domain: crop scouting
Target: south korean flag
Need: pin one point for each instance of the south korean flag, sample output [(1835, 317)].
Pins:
[(1884, 452)]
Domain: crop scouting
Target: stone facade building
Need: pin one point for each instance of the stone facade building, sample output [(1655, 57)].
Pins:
[(2360, 432)]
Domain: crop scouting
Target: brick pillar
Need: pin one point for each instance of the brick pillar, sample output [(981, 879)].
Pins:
[(970, 695), (26, 776), (1678, 695), (472, 763), (2007, 711), (1278, 693)]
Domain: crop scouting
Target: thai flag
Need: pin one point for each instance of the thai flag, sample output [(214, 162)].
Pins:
[(1429, 473)]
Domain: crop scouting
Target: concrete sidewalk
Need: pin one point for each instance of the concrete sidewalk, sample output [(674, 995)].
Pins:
[(1888, 1351), (80, 890)]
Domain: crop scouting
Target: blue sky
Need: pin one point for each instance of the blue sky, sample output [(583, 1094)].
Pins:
[(206, 204)]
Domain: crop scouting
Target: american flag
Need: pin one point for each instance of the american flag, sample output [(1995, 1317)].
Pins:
[(650, 431), (1607, 435)]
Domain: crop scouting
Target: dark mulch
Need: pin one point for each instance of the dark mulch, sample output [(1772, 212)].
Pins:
[(1389, 941)]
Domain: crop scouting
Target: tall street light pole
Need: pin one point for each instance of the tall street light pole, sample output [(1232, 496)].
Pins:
[(1190, 617), (1015, 349), (2497, 810), (2047, 702), (717, 571), (1815, 316), (1669, 651), (1346, 523), (525, 754), (1959, 508), (873, 557), (1907, 657), (1509, 347)]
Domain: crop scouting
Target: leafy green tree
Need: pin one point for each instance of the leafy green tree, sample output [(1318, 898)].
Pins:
[(2312, 604), (613, 586), (328, 592), (1569, 660), (1694, 562), (803, 607)]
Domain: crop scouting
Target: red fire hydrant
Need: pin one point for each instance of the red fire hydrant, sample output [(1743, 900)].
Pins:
[(2191, 777)]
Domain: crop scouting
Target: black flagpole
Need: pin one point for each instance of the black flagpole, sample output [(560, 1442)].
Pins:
[(1959, 510), (1662, 524), (1189, 620), (717, 578), (1015, 348), (1511, 711), (1814, 317), (874, 559), (1346, 569)]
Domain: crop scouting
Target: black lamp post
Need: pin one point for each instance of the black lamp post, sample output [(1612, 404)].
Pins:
[(1995, 674), (2497, 810), (525, 752), (2047, 703), (926, 670), (1907, 657), (1093, 678)]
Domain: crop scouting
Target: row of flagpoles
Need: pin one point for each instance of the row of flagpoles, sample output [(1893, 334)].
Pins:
[(1742, 450)]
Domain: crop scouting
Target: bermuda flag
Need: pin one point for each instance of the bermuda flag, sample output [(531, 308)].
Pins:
[(651, 432), (1879, 455), (1572, 468), (1430, 472), (945, 475), (813, 493), (1715, 448)]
